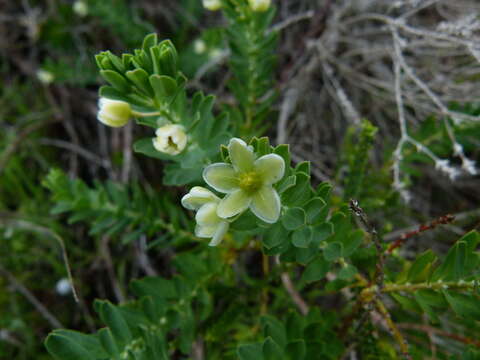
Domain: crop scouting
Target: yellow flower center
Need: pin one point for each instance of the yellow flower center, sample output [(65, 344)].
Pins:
[(250, 182)]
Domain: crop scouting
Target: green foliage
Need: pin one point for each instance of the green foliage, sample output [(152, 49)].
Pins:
[(118, 211), (141, 329), (240, 299), (150, 80), (357, 167), (252, 46)]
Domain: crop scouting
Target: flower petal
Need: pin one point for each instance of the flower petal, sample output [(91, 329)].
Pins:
[(271, 167), (233, 204), (207, 215), (205, 231), (241, 155), (266, 204), (221, 177), (222, 229), (197, 197)]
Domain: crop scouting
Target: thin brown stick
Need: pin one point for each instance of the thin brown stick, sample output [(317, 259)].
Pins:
[(397, 335), (431, 329), (31, 298), (379, 273), (442, 220)]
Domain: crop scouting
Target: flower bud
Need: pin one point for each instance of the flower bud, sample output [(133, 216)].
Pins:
[(63, 287), (114, 113), (199, 46), (171, 139), (212, 5), (80, 8), (45, 77), (259, 5)]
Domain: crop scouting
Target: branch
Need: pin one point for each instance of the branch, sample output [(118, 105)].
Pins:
[(442, 220)]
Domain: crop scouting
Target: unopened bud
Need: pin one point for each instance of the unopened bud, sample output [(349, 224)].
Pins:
[(45, 77), (80, 8), (212, 5), (260, 5), (114, 113)]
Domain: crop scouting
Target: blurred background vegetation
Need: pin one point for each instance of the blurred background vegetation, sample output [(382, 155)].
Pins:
[(48, 104)]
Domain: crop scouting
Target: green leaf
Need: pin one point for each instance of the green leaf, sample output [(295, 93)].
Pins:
[(296, 350), (347, 272), (406, 302), (271, 350), (333, 251), (274, 236), (64, 347), (313, 209), (140, 78), (322, 232), (155, 287), (111, 316), (304, 167), (421, 267), (294, 218), (164, 87), (426, 306), (463, 305), (106, 338), (116, 80), (295, 324), (274, 329), (324, 190), (453, 267), (250, 351), (352, 242), (316, 270), (300, 193), (149, 41), (302, 237), (168, 61), (284, 151), (286, 183)]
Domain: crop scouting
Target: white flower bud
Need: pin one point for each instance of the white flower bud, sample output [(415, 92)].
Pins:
[(80, 8), (45, 77), (212, 5), (171, 139), (199, 46), (114, 113), (260, 5), (63, 287)]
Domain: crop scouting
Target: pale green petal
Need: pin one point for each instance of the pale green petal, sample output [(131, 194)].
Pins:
[(271, 167), (233, 204), (205, 231), (221, 177), (241, 155), (207, 215), (266, 204), (197, 197), (220, 232)]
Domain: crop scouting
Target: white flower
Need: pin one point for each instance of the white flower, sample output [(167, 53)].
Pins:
[(114, 113), (248, 182), (171, 139), (63, 287), (209, 224), (45, 77), (259, 5), (199, 46), (80, 8), (212, 5)]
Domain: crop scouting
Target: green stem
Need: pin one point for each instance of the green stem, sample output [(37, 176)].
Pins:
[(438, 285), (142, 114)]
